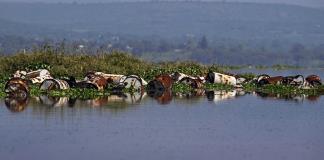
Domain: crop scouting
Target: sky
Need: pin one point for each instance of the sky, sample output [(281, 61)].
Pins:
[(312, 3)]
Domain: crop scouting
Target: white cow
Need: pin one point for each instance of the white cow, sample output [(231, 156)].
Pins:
[(222, 95), (177, 77), (37, 76), (114, 77), (214, 77)]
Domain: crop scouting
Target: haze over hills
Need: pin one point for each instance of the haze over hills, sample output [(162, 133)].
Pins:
[(251, 24), (171, 19), (310, 3)]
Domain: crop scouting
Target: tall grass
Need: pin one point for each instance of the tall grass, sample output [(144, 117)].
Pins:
[(77, 65)]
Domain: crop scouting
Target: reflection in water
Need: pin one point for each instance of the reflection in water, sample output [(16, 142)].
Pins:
[(117, 98), (313, 98), (162, 96), (56, 101), (195, 93), (16, 104), (96, 102), (121, 100), (245, 128), (218, 96), (290, 97)]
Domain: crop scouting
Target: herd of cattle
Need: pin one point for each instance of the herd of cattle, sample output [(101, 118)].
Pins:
[(18, 85)]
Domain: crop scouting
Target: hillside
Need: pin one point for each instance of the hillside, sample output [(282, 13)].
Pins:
[(207, 32), (174, 19)]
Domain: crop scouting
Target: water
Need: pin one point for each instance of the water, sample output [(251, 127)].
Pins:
[(285, 72), (222, 126)]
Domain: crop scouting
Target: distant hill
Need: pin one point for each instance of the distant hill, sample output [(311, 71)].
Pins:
[(242, 21), (208, 32)]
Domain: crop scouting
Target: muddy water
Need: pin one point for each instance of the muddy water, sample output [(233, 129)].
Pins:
[(222, 125)]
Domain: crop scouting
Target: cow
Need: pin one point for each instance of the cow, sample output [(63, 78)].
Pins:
[(258, 78), (133, 81), (312, 81), (54, 84), (93, 81), (17, 87), (161, 82), (297, 80), (35, 77), (128, 81), (192, 82), (110, 78), (177, 77), (271, 80), (214, 77)]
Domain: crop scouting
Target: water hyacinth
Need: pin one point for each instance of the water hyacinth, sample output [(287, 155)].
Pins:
[(64, 65)]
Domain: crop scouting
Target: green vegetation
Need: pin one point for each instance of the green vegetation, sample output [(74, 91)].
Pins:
[(64, 65)]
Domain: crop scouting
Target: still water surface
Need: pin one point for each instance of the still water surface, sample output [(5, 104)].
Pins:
[(244, 127), (222, 126)]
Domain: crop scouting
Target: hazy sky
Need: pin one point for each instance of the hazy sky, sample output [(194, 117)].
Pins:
[(298, 2)]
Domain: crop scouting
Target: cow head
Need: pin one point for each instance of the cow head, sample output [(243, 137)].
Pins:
[(17, 87), (161, 82), (210, 77)]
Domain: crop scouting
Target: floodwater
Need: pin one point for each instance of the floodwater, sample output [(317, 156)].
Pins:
[(219, 125), (283, 72)]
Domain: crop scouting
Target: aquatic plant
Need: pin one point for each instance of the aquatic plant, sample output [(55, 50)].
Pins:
[(63, 65)]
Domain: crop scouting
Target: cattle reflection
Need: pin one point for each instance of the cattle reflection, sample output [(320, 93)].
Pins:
[(127, 98), (162, 96), (95, 102), (222, 95), (288, 97), (194, 93), (56, 101), (16, 104)]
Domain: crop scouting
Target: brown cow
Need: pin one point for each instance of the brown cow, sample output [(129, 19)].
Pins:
[(313, 80), (93, 81), (161, 83), (271, 80), (110, 78), (193, 83), (297, 80), (17, 87)]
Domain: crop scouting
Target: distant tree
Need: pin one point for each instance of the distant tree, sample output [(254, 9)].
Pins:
[(203, 43), (163, 46), (297, 48), (191, 44)]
